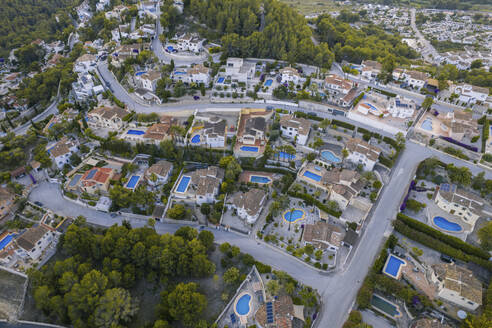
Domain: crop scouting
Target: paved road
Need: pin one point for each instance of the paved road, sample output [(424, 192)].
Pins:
[(52, 109), (338, 290), (429, 52)]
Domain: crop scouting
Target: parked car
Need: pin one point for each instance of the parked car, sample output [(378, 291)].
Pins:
[(38, 204), (196, 97), (447, 258)]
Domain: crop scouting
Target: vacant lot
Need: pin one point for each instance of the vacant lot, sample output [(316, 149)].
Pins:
[(307, 7), (11, 294)]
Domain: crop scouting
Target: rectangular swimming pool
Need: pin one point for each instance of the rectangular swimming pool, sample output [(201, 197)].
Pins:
[(393, 265), (384, 306), (312, 176), (259, 179), (220, 80), (5, 241), (135, 132), (249, 148), (183, 184), (133, 182), (268, 82)]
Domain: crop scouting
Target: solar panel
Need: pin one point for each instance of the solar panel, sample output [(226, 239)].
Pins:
[(445, 187), (91, 174)]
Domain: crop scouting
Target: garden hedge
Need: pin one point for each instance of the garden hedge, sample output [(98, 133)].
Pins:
[(343, 124)]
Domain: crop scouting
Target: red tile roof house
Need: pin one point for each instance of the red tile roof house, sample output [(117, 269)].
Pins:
[(96, 179)]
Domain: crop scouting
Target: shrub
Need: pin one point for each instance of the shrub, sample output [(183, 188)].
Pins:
[(263, 268), (343, 124)]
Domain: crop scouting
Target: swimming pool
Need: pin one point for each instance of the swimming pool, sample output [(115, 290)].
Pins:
[(393, 266), (285, 156), (220, 80), (140, 73), (249, 148), (427, 124), (183, 184), (294, 215), (133, 182), (268, 82), (384, 306), (135, 132), (446, 225), (243, 304), (330, 157), (372, 107), (195, 139), (170, 48), (259, 179), (312, 176), (5, 241)]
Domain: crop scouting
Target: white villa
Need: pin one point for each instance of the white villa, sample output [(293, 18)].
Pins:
[(296, 128)]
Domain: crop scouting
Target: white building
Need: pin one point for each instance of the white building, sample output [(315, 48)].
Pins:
[(34, 241), (238, 70), (459, 202), (415, 79), (85, 63), (370, 69), (190, 42), (102, 4), (401, 107), (296, 128), (457, 285), (202, 185), (290, 74), (107, 117), (360, 152), (60, 153), (162, 171), (148, 80), (471, 94), (196, 74), (249, 204), (335, 84), (214, 132)]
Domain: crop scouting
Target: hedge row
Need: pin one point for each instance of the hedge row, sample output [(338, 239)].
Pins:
[(391, 142), (359, 97), (311, 200), (343, 124), (386, 93), (450, 240), (438, 245), (485, 134), (308, 116), (386, 161)]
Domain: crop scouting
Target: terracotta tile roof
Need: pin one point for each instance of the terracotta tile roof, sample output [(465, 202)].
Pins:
[(251, 201), (362, 147), (428, 323), (321, 234), (197, 69), (417, 75), (29, 238), (151, 75), (160, 168), (460, 280), (62, 147), (109, 112), (339, 81), (453, 194), (96, 175), (301, 124), (157, 131), (371, 64), (85, 58), (289, 71)]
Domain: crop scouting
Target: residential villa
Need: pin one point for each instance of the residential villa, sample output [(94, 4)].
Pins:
[(190, 42), (296, 128), (157, 133), (361, 152), (459, 202), (34, 241), (428, 323), (249, 204), (96, 180), (196, 74), (209, 132), (457, 125), (238, 70), (335, 84), (6, 202), (457, 285), (85, 63), (323, 235), (148, 80), (290, 74), (371, 69), (415, 79), (125, 51), (401, 107), (201, 186), (107, 117), (159, 173), (471, 94), (252, 132), (60, 153)]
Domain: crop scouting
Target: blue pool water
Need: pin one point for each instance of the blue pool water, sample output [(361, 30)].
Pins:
[(133, 181), (5, 241), (183, 184), (372, 107), (170, 48), (259, 179), (268, 83), (446, 225), (242, 305), (195, 139), (284, 156), (312, 176), (385, 306), (330, 157), (136, 132), (249, 148), (427, 124), (220, 80), (393, 266), (293, 216), (140, 73)]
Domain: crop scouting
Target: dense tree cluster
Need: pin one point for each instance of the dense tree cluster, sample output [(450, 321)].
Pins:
[(24, 21), (91, 286), (356, 45), (261, 28)]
